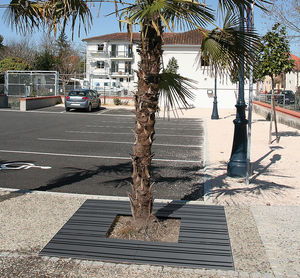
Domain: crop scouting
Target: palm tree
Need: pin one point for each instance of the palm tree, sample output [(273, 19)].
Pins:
[(153, 17)]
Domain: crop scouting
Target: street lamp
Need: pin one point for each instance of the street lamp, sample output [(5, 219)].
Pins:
[(215, 115), (237, 166)]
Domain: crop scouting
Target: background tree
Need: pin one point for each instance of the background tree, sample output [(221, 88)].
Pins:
[(1, 42), (152, 17), (287, 12), (13, 63), (172, 65), (22, 49), (274, 54), (67, 59), (45, 60), (274, 60), (1, 49)]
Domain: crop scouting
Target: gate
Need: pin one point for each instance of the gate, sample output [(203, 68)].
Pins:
[(31, 83)]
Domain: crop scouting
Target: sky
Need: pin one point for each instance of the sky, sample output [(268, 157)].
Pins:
[(108, 24)]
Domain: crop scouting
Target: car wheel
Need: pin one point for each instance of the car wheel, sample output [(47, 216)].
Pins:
[(67, 109), (89, 108)]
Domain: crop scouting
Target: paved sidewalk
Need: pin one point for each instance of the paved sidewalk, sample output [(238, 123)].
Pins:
[(263, 219)]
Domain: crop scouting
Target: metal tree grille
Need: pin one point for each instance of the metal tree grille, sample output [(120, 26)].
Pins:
[(203, 239)]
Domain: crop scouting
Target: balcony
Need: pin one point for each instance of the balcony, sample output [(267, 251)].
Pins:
[(121, 73), (121, 55), (98, 53), (101, 71)]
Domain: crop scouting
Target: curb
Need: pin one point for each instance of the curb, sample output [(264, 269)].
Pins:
[(98, 197), (207, 185)]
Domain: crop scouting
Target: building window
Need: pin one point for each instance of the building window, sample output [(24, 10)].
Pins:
[(114, 66), (100, 47), (114, 50), (128, 67), (100, 64), (128, 79), (121, 79), (129, 50)]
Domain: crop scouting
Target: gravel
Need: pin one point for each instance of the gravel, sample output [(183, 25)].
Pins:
[(279, 229), (29, 220), (247, 247)]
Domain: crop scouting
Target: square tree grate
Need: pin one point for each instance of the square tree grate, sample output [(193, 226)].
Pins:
[(203, 238)]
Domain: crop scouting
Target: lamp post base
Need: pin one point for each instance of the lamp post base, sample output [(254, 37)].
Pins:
[(215, 114), (237, 166), (237, 169)]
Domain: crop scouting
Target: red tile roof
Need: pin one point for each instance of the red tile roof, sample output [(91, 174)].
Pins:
[(193, 37), (122, 36), (297, 62)]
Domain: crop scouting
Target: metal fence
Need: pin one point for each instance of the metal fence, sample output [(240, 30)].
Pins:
[(281, 100), (1, 89), (31, 83)]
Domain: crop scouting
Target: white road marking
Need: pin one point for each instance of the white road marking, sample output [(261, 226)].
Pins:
[(126, 133), (96, 156), (117, 127), (157, 123), (114, 142), (117, 115), (21, 165)]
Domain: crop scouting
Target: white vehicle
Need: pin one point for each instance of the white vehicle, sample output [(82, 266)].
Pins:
[(104, 86)]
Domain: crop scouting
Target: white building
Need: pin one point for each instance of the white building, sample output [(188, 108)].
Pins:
[(292, 79), (113, 56)]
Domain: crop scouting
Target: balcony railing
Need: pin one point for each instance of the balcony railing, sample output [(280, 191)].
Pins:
[(98, 53), (120, 54), (121, 72)]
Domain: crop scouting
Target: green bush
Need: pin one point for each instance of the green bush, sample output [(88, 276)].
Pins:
[(117, 101)]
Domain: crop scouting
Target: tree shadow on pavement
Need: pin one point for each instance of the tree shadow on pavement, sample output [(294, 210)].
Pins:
[(16, 193), (75, 175), (175, 181), (220, 186)]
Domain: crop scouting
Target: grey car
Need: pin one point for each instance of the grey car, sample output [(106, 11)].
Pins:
[(82, 99)]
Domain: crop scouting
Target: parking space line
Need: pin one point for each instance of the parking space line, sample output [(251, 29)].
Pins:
[(114, 142), (126, 133), (96, 156), (117, 127)]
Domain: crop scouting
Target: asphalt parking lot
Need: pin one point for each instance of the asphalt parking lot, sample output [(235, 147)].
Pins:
[(89, 153)]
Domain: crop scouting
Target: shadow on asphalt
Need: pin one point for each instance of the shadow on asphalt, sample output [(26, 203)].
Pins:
[(169, 185)]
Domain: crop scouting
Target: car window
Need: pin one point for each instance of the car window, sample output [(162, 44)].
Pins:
[(78, 93)]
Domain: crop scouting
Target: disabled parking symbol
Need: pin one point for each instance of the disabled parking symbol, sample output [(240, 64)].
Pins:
[(21, 165)]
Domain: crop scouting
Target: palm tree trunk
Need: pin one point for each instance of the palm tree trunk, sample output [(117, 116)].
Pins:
[(146, 105)]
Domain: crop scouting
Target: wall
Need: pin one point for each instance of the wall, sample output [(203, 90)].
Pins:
[(292, 81), (3, 101), (38, 102), (187, 59), (284, 116), (186, 56)]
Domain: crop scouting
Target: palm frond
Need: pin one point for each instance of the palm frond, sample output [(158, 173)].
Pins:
[(26, 15), (224, 48), (175, 90), (233, 5), (185, 14)]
